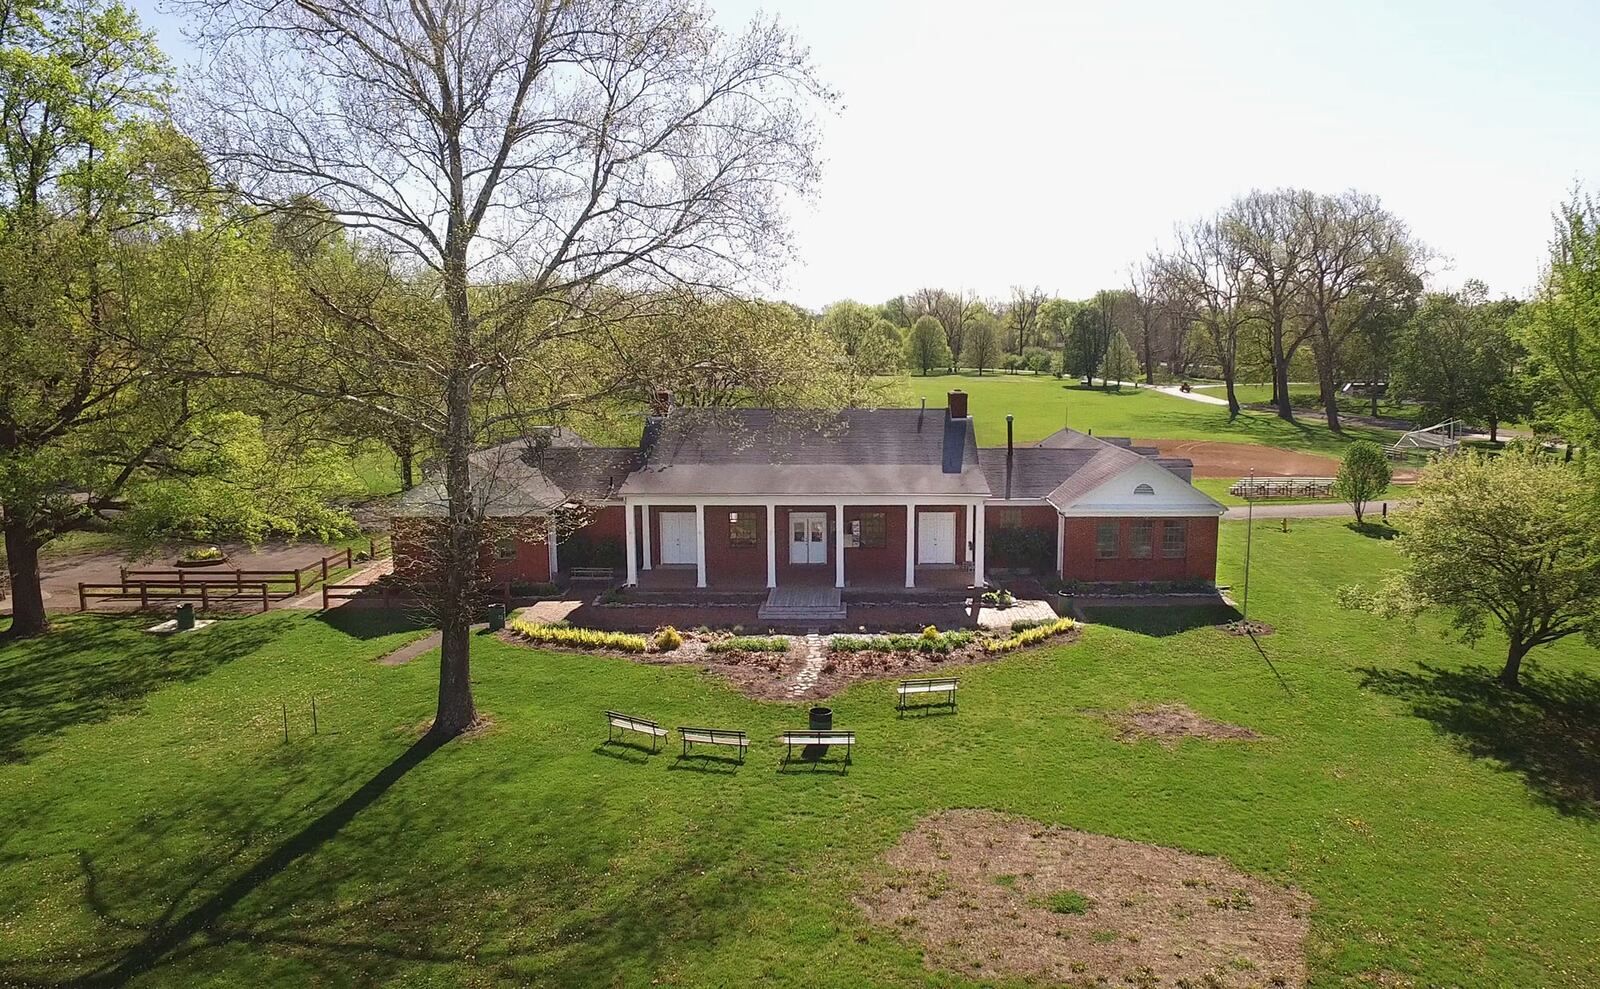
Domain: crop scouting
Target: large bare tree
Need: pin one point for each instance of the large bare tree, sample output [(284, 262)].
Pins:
[(538, 166), (1207, 275), (1264, 228)]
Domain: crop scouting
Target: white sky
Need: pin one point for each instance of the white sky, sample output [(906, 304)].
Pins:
[(986, 144)]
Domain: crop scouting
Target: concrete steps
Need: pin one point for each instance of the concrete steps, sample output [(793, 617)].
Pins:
[(802, 604)]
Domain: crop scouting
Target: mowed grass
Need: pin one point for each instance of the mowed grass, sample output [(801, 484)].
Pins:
[(156, 830), (1043, 404)]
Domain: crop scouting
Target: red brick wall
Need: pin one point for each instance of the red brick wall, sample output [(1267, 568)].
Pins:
[(414, 559), (1040, 518), (1083, 563), (727, 564)]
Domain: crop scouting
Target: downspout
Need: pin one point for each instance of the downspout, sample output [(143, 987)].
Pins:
[(1010, 450)]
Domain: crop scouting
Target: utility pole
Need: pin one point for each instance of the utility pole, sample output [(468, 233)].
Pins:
[(1249, 533)]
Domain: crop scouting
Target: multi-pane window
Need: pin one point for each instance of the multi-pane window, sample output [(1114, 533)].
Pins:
[(874, 530), (1105, 540), (1141, 539), (743, 530), (1175, 540)]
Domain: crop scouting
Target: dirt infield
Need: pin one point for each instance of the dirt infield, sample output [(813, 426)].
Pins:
[(1234, 460)]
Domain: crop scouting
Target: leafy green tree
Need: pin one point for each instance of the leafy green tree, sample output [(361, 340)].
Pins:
[(1561, 326), (850, 323), (1055, 328), (880, 349), (926, 346), (107, 264), (1461, 358), (1363, 475), (897, 311), (1512, 540), (981, 345)]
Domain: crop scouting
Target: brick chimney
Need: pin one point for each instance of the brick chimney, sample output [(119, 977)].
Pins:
[(956, 404)]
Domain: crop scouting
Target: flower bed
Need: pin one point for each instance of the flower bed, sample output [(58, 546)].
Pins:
[(749, 643), (578, 638)]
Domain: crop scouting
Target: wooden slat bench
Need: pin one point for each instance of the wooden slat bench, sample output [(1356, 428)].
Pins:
[(592, 574), (713, 736), (793, 738), (616, 721), (935, 685)]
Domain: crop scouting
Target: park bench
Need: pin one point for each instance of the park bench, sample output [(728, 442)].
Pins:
[(713, 736), (937, 685), (616, 721), (803, 738), (592, 574)]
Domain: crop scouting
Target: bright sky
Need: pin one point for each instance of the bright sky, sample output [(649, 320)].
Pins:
[(995, 143)]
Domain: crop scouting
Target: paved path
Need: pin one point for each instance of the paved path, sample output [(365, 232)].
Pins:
[(546, 612), (412, 650), (816, 657), (1193, 396), (1021, 610), (1321, 510)]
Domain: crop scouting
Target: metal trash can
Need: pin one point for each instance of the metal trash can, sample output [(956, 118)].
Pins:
[(497, 617), (185, 617), (822, 719)]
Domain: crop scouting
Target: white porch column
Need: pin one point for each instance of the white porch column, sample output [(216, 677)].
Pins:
[(977, 549), (911, 544), (838, 548), (700, 544), (648, 553), (1061, 545), (971, 539), (772, 544), (630, 534), (550, 537)]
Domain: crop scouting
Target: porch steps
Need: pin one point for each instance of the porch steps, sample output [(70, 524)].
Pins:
[(800, 604)]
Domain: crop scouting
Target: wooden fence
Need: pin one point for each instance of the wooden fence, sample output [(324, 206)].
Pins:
[(170, 590)]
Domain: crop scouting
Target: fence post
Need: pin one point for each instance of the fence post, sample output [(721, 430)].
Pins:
[(144, 594), (83, 597), (183, 586), (238, 580), (264, 604), (324, 569), (349, 558), (372, 547), (297, 582), (205, 597), (324, 597)]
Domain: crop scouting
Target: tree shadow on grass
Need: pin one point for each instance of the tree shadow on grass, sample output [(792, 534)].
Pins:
[(90, 669), (171, 936), (1548, 730), (1373, 530), (373, 623)]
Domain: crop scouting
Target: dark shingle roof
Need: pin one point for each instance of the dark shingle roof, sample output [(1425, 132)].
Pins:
[(853, 452), (1035, 472), (524, 477)]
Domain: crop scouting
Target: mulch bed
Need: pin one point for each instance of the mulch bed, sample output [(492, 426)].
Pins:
[(1170, 723), (845, 668), (1242, 629), (993, 896)]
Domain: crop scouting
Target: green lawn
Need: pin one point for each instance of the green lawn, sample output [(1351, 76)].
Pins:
[(1042, 404), (156, 830)]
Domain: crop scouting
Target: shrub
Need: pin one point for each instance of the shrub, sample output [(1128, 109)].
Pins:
[(938, 642), (579, 638), (750, 643), (852, 643), (529, 589), (1001, 599), (1030, 636), (931, 633), (199, 554), (668, 639), (1020, 546), (1023, 624)]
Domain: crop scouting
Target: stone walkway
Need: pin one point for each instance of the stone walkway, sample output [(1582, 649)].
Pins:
[(1021, 610), (816, 657)]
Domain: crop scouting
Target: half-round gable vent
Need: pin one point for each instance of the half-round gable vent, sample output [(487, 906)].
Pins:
[(1144, 489)]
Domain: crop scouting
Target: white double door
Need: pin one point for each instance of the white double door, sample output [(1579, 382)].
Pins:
[(936, 537), (678, 539), (808, 537)]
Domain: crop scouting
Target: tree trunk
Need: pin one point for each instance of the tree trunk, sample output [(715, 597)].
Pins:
[(27, 596), (1494, 430), (1513, 669), (1280, 383), (1330, 393), (407, 472), (1233, 400)]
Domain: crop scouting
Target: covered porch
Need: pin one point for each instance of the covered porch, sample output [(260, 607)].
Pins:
[(852, 544)]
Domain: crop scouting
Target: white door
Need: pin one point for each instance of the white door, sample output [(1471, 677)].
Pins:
[(677, 538), (936, 537), (808, 537)]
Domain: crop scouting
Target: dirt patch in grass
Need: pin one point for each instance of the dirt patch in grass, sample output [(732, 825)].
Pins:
[(992, 896), (1243, 628), (1171, 723)]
